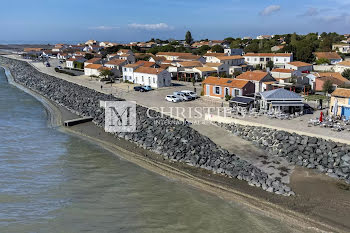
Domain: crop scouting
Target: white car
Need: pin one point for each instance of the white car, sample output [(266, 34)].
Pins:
[(172, 98), (191, 93), (183, 96)]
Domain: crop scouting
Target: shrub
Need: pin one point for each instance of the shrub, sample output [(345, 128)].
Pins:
[(227, 97)]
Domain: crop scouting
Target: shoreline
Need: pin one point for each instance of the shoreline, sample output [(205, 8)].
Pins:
[(215, 184)]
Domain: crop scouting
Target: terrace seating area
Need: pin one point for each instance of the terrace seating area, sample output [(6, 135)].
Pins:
[(334, 123)]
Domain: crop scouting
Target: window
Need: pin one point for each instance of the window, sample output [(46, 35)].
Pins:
[(285, 59), (142, 78), (236, 92), (154, 80), (262, 59), (268, 59), (248, 59), (217, 90), (255, 59)]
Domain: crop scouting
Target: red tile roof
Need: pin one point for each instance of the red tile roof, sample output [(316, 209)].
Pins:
[(252, 75), (227, 82), (327, 55), (148, 70)]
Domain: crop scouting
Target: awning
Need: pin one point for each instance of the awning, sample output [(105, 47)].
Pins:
[(242, 100), (287, 103)]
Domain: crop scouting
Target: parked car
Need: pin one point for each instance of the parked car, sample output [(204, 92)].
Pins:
[(172, 98), (59, 67), (183, 96), (48, 65), (147, 88), (191, 93), (140, 89)]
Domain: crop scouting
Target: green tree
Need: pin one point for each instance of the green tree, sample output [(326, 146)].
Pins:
[(188, 38), (327, 86), (270, 65), (105, 73), (322, 61), (88, 56), (346, 73), (217, 49)]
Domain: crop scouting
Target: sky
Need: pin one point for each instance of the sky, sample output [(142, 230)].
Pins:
[(52, 21)]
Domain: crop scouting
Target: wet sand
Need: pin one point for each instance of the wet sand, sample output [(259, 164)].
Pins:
[(319, 206)]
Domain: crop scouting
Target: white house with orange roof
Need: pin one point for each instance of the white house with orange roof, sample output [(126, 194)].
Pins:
[(262, 80), (95, 69), (299, 67), (154, 77), (279, 59), (341, 66)]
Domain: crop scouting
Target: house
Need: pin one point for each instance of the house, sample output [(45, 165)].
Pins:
[(154, 77), (62, 56), (277, 48), (299, 67), (220, 67), (337, 81), (333, 57), (173, 56), (32, 50), (117, 65), (341, 66), (94, 60), (124, 51), (340, 103), (158, 60), (189, 64), (95, 69), (232, 52), (261, 80), (280, 100), (279, 59), (75, 63), (204, 72), (264, 37), (59, 48), (341, 48), (128, 57), (91, 42), (283, 75), (220, 87), (212, 57)]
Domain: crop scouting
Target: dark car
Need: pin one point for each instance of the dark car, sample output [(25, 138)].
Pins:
[(140, 89), (48, 65)]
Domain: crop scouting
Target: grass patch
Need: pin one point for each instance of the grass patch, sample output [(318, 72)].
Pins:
[(316, 97)]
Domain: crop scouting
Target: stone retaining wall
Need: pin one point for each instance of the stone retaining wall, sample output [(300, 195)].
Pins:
[(175, 142), (315, 153)]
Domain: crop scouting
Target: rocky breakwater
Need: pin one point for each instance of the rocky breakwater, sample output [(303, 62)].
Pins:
[(166, 136), (315, 153)]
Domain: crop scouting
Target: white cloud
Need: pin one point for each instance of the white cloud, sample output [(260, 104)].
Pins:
[(312, 11), (157, 26), (104, 28), (270, 9)]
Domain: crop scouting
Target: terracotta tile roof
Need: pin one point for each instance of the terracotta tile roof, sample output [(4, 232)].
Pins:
[(32, 49), (72, 59), (334, 75), (215, 55), (190, 63), (93, 60), (94, 66), (124, 51), (267, 55), (164, 66), (341, 92), (270, 82), (344, 63), (158, 58), (282, 70), (227, 82), (327, 55), (299, 63), (189, 57), (332, 79), (116, 62), (148, 70), (133, 65), (253, 75), (231, 57), (172, 54), (213, 64), (205, 69), (145, 63)]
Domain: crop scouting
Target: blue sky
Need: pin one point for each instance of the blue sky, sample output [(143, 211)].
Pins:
[(139, 20)]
